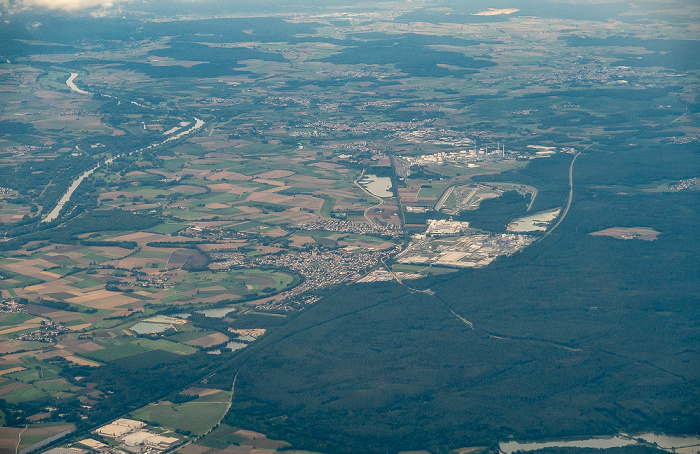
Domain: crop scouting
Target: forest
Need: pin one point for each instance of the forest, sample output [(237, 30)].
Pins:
[(575, 335)]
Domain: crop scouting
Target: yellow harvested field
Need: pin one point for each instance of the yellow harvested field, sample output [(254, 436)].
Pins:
[(220, 297), (229, 188), (63, 316), (102, 299), (226, 175), (79, 327), (143, 237), (90, 346), (312, 182), (221, 246), (216, 206), (82, 361), (270, 198), (214, 288), (331, 166), (306, 201), (134, 262), (249, 434), (23, 326), (9, 371), (208, 341), (10, 346), (201, 392), (275, 174), (299, 240), (248, 210), (30, 267), (271, 182)]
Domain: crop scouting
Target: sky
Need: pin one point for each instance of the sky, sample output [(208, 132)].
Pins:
[(65, 5)]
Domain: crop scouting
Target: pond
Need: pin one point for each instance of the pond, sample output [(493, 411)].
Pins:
[(219, 312), (232, 345), (534, 222), (150, 328), (379, 186)]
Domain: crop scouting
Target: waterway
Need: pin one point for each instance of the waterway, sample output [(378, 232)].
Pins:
[(74, 87), (66, 197), (53, 215), (378, 186), (681, 444)]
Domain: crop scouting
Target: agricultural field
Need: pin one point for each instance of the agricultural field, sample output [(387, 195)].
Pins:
[(189, 200), (196, 416)]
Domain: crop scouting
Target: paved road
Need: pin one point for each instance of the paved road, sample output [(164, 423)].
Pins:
[(571, 196)]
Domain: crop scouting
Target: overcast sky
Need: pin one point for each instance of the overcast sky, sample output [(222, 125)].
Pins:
[(66, 5)]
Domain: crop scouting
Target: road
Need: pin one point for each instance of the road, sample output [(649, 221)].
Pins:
[(571, 196)]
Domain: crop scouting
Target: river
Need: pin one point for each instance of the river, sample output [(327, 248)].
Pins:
[(681, 444), (53, 215), (73, 87)]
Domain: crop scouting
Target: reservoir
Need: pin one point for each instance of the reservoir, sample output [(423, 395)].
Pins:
[(534, 222), (219, 312), (378, 186)]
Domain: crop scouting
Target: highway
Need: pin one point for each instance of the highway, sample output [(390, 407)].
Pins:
[(571, 196)]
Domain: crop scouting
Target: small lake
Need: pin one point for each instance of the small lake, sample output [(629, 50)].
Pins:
[(535, 222), (150, 328), (379, 186), (683, 444), (219, 312), (232, 345)]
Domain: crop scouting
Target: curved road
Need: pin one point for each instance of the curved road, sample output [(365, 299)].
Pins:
[(571, 196)]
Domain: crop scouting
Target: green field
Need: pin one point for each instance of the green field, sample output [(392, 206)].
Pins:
[(123, 347), (15, 319), (168, 228), (432, 193), (24, 395), (195, 416), (85, 283)]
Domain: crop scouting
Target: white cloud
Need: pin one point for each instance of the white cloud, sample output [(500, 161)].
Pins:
[(65, 5)]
